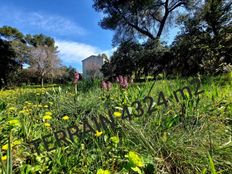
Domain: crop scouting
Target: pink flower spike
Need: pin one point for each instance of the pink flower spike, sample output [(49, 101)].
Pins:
[(104, 85), (125, 80), (109, 85), (76, 77), (121, 79)]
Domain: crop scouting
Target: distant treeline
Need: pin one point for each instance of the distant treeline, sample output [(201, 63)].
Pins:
[(37, 52)]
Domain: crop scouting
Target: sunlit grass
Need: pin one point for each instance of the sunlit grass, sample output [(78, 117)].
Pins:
[(189, 136)]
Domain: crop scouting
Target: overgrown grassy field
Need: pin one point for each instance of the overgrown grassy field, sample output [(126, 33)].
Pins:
[(192, 134)]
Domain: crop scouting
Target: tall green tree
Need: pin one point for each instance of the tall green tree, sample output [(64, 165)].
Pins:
[(40, 40), (217, 14), (131, 19), (134, 59), (204, 44), (8, 63), (124, 60), (17, 41), (153, 58), (12, 52)]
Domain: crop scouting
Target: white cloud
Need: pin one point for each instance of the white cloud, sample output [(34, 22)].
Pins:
[(74, 52), (40, 21)]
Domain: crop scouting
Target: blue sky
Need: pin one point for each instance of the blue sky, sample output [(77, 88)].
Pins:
[(72, 23)]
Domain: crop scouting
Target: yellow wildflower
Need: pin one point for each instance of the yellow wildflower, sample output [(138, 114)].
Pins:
[(135, 159), (65, 117), (48, 113), (5, 147), (101, 171), (14, 122), (98, 134), (117, 114), (12, 108), (27, 112), (4, 158), (115, 139), (16, 142), (47, 124), (47, 117)]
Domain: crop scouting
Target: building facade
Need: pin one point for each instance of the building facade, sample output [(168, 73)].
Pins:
[(91, 66)]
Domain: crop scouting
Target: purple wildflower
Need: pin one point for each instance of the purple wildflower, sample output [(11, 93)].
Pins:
[(106, 85), (76, 77), (123, 81), (109, 85)]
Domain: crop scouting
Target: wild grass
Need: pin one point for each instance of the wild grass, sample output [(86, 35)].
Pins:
[(189, 136)]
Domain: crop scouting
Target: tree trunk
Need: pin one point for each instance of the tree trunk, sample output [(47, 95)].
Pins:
[(215, 31), (162, 26), (42, 81)]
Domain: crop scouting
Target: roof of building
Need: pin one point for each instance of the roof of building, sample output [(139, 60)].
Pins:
[(91, 57)]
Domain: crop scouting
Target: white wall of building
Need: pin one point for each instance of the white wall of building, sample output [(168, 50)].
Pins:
[(91, 66)]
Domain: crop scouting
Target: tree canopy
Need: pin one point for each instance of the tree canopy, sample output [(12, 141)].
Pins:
[(37, 51), (132, 19), (203, 45)]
